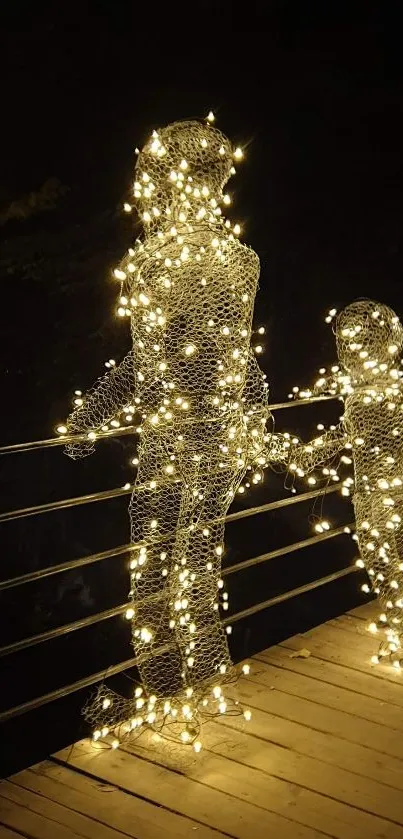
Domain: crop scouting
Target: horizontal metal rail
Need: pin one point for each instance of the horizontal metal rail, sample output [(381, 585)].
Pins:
[(82, 623), (59, 693), (64, 504), (283, 502), (292, 403), (88, 681), (41, 573), (287, 595), (50, 634), (305, 543), (34, 445), (130, 429)]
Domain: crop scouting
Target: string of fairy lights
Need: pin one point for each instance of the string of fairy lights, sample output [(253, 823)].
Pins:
[(192, 379), (367, 444), (193, 384)]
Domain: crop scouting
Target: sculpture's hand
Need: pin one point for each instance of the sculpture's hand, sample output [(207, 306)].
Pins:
[(107, 398), (79, 449), (278, 448), (306, 457)]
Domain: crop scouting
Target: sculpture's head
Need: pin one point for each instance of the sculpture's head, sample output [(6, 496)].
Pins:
[(182, 167), (369, 339)]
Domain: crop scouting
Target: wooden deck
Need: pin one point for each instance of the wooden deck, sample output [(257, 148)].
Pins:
[(321, 757)]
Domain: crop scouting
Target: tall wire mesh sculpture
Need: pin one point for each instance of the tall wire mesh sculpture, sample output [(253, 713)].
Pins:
[(369, 339), (188, 288)]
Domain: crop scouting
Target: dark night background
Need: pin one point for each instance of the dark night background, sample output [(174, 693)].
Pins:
[(316, 99)]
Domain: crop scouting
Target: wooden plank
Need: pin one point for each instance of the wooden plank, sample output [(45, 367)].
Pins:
[(379, 738), (368, 611), (329, 748), (109, 805), (363, 794), (336, 674), (356, 635), (359, 627), (6, 833), (228, 763), (57, 813), (208, 805), (330, 696), (353, 624), (363, 641), (30, 824), (341, 653)]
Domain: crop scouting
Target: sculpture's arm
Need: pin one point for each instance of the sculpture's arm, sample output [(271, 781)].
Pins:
[(307, 456), (108, 396), (327, 384)]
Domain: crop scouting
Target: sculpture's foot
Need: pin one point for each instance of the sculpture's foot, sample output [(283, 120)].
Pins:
[(178, 719), (390, 650)]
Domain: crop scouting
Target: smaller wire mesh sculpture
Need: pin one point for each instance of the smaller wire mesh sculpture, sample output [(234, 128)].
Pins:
[(188, 288), (369, 339)]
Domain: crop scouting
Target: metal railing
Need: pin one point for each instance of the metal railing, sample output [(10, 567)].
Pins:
[(120, 550), (15, 448), (132, 546), (115, 669), (32, 641)]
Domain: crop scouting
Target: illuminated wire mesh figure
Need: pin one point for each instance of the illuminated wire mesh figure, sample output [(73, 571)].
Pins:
[(189, 289), (369, 340)]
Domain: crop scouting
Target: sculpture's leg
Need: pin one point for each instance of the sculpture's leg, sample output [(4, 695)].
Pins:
[(381, 544), (154, 515), (201, 637)]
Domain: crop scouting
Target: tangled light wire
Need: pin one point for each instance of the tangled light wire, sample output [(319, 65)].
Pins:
[(188, 288), (369, 339)]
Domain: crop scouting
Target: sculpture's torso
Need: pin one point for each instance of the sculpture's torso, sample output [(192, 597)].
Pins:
[(379, 424), (192, 307)]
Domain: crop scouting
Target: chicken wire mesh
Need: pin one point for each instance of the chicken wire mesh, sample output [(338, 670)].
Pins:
[(369, 338), (188, 287)]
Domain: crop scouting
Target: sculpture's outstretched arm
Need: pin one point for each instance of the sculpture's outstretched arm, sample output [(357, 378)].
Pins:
[(108, 396), (307, 456)]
